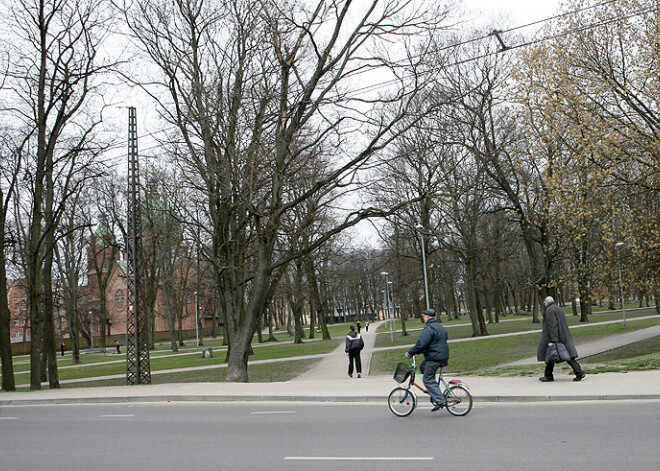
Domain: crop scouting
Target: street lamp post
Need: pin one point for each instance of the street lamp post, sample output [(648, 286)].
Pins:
[(623, 302), (420, 228), (196, 318), (387, 304)]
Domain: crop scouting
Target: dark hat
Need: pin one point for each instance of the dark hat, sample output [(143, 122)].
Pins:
[(429, 312)]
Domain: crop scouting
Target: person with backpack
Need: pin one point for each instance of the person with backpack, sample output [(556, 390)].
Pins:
[(354, 345)]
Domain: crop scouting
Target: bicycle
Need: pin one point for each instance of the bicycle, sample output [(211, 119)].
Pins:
[(403, 400)]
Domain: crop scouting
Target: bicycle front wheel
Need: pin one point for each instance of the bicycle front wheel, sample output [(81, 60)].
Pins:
[(402, 402), (459, 400)]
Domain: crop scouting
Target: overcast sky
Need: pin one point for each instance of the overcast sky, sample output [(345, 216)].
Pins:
[(521, 11)]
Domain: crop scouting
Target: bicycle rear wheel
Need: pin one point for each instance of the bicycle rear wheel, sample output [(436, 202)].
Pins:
[(402, 402), (459, 400)]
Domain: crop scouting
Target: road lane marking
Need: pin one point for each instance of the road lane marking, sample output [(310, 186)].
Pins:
[(112, 416), (358, 458), (8, 418), (273, 412)]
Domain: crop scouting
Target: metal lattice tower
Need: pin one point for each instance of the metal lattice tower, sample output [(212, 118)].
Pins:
[(138, 368)]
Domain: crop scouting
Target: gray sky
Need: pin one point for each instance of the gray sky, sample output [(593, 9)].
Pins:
[(521, 11)]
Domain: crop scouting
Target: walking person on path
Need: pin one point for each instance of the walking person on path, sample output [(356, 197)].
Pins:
[(366, 326), (354, 345), (359, 327), (555, 329), (432, 342)]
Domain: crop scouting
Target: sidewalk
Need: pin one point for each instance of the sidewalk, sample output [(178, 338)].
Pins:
[(329, 382), (374, 389)]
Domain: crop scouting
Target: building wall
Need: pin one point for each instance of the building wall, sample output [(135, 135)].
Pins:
[(17, 300), (116, 306)]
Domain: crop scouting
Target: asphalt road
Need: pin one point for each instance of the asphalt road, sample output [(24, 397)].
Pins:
[(603, 435)]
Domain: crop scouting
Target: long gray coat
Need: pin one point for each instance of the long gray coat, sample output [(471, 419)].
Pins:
[(555, 329)]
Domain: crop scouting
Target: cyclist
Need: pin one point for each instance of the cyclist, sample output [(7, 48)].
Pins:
[(432, 342)]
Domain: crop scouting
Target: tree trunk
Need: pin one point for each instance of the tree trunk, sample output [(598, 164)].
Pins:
[(313, 282), (585, 300), (50, 349), (8, 381), (170, 319), (243, 324)]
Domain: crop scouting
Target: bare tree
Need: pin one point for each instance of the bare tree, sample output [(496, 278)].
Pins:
[(55, 57), (250, 83), (69, 257), (9, 171)]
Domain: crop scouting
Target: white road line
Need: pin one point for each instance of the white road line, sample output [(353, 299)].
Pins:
[(112, 416), (8, 418), (274, 412), (358, 458)]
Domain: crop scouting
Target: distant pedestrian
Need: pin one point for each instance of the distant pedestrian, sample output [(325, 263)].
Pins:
[(359, 327), (62, 348), (117, 347), (555, 329), (366, 326), (354, 345)]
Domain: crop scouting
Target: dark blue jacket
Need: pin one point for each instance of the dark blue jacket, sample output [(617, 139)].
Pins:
[(432, 342)]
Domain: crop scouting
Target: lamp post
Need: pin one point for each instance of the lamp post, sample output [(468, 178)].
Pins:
[(387, 303), (623, 302), (420, 228), (197, 318), (91, 329)]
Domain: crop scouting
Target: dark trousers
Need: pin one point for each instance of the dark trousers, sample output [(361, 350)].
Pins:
[(428, 369), (577, 369), (354, 356)]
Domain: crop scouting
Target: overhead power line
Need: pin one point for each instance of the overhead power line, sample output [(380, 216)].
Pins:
[(497, 34), (506, 47)]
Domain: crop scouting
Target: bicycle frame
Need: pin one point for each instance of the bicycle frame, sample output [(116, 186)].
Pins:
[(402, 400), (441, 381)]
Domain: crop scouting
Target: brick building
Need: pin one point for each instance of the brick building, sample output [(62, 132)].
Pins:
[(106, 290)]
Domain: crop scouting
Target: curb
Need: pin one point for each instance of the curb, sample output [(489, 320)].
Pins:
[(329, 399)]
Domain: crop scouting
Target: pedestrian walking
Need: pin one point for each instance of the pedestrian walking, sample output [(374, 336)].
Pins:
[(117, 347), (555, 329), (62, 348), (366, 326), (354, 345), (359, 327), (432, 342)]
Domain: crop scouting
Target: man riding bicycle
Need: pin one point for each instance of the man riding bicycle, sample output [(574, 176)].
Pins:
[(432, 342)]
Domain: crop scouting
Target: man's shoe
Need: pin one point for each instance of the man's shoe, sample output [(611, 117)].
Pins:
[(350, 374), (579, 377), (438, 406), (359, 375), (546, 379)]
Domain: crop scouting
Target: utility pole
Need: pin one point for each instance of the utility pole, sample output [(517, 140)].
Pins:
[(138, 368)]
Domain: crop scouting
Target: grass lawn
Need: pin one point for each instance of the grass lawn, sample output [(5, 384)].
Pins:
[(472, 357), (272, 372), (482, 356), (264, 352)]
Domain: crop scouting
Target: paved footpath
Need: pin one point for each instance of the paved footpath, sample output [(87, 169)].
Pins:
[(328, 381)]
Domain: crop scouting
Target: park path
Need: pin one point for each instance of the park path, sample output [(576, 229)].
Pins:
[(594, 347), (335, 364)]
